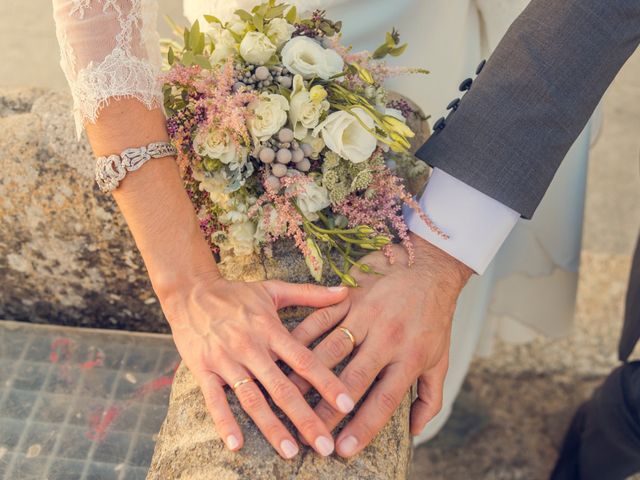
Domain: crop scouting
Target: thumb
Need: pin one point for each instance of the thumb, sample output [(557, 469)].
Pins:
[(304, 294)]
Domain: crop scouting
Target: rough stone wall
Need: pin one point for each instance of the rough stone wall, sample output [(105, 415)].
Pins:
[(66, 255)]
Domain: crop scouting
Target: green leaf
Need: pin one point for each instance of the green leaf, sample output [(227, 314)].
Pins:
[(396, 52), (212, 19), (276, 11), (185, 35), (203, 61), (258, 22), (199, 46), (171, 56), (194, 35), (188, 58), (292, 15), (244, 15)]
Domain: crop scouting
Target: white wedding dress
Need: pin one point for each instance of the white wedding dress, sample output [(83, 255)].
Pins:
[(110, 48)]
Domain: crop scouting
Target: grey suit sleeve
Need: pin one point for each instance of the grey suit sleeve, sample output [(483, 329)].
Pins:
[(533, 97)]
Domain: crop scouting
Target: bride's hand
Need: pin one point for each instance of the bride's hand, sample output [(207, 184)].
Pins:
[(229, 331)]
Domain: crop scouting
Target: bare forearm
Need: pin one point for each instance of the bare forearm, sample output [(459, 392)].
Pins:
[(152, 199)]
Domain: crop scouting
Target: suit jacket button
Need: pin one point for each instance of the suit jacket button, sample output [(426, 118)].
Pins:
[(465, 85), (439, 125), (480, 67), (453, 104)]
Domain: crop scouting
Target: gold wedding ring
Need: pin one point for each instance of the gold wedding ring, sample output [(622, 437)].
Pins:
[(239, 383), (349, 335)]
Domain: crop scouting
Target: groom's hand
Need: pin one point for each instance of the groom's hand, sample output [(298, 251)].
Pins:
[(401, 324)]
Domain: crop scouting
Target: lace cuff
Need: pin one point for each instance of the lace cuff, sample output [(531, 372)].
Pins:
[(108, 48)]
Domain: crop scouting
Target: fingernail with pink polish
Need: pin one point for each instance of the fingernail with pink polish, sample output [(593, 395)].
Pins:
[(289, 449), (232, 442), (324, 446), (347, 446), (345, 403)]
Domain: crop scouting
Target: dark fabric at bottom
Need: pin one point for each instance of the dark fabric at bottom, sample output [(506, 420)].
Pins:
[(603, 440)]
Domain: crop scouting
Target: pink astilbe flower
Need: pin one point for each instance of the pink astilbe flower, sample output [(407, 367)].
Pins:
[(381, 209), (288, 220)]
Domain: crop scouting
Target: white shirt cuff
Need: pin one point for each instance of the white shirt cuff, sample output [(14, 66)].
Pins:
[(477, 224)]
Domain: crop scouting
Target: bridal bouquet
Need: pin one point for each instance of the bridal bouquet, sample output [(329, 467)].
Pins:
[(284, 132)]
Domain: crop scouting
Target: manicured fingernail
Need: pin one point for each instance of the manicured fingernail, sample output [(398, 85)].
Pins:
[(289, 449), (345, 403), (324, 445), (232, 442), (347, 446), (337, 289)]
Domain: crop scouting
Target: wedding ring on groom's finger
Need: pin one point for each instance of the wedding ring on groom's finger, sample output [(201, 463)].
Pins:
[(349, 335), (239, 383)]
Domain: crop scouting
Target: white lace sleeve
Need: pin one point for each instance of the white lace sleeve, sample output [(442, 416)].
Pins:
[(108, 48)]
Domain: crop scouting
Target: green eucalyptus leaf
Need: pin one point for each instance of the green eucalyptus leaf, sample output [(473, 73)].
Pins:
[(194, 34), (171, 56), (199, 46), (203, 61)]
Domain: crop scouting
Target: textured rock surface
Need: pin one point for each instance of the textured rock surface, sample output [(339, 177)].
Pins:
[(189, 448), (66, 255)]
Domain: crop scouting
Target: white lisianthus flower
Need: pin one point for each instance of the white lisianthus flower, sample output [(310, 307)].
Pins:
[(269, 115), (256, 48), (312, 199), (345, 135), (224, 43), (241, 238), (279, 31), (306, 57), (306, 107)]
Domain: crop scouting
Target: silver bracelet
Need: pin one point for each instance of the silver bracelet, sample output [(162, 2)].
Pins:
[(112, 169)]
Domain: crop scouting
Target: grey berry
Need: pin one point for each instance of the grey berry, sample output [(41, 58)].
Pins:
[(306, 148), (267, 155), (304, 165), (286, 82), (279, 170), (285, 135), (272, 182), (262, 73), (284, 155), (297, 155)]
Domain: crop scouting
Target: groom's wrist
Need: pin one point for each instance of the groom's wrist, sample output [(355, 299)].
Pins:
[(430, 258), (476, 224)]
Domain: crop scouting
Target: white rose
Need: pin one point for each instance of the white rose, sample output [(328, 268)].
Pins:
[(306, 57), (306, 109), (344, 134), (269, 115), (227, 152), (279, 31), (224, 43), (311, 199), (241, 238), (256, 48)]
